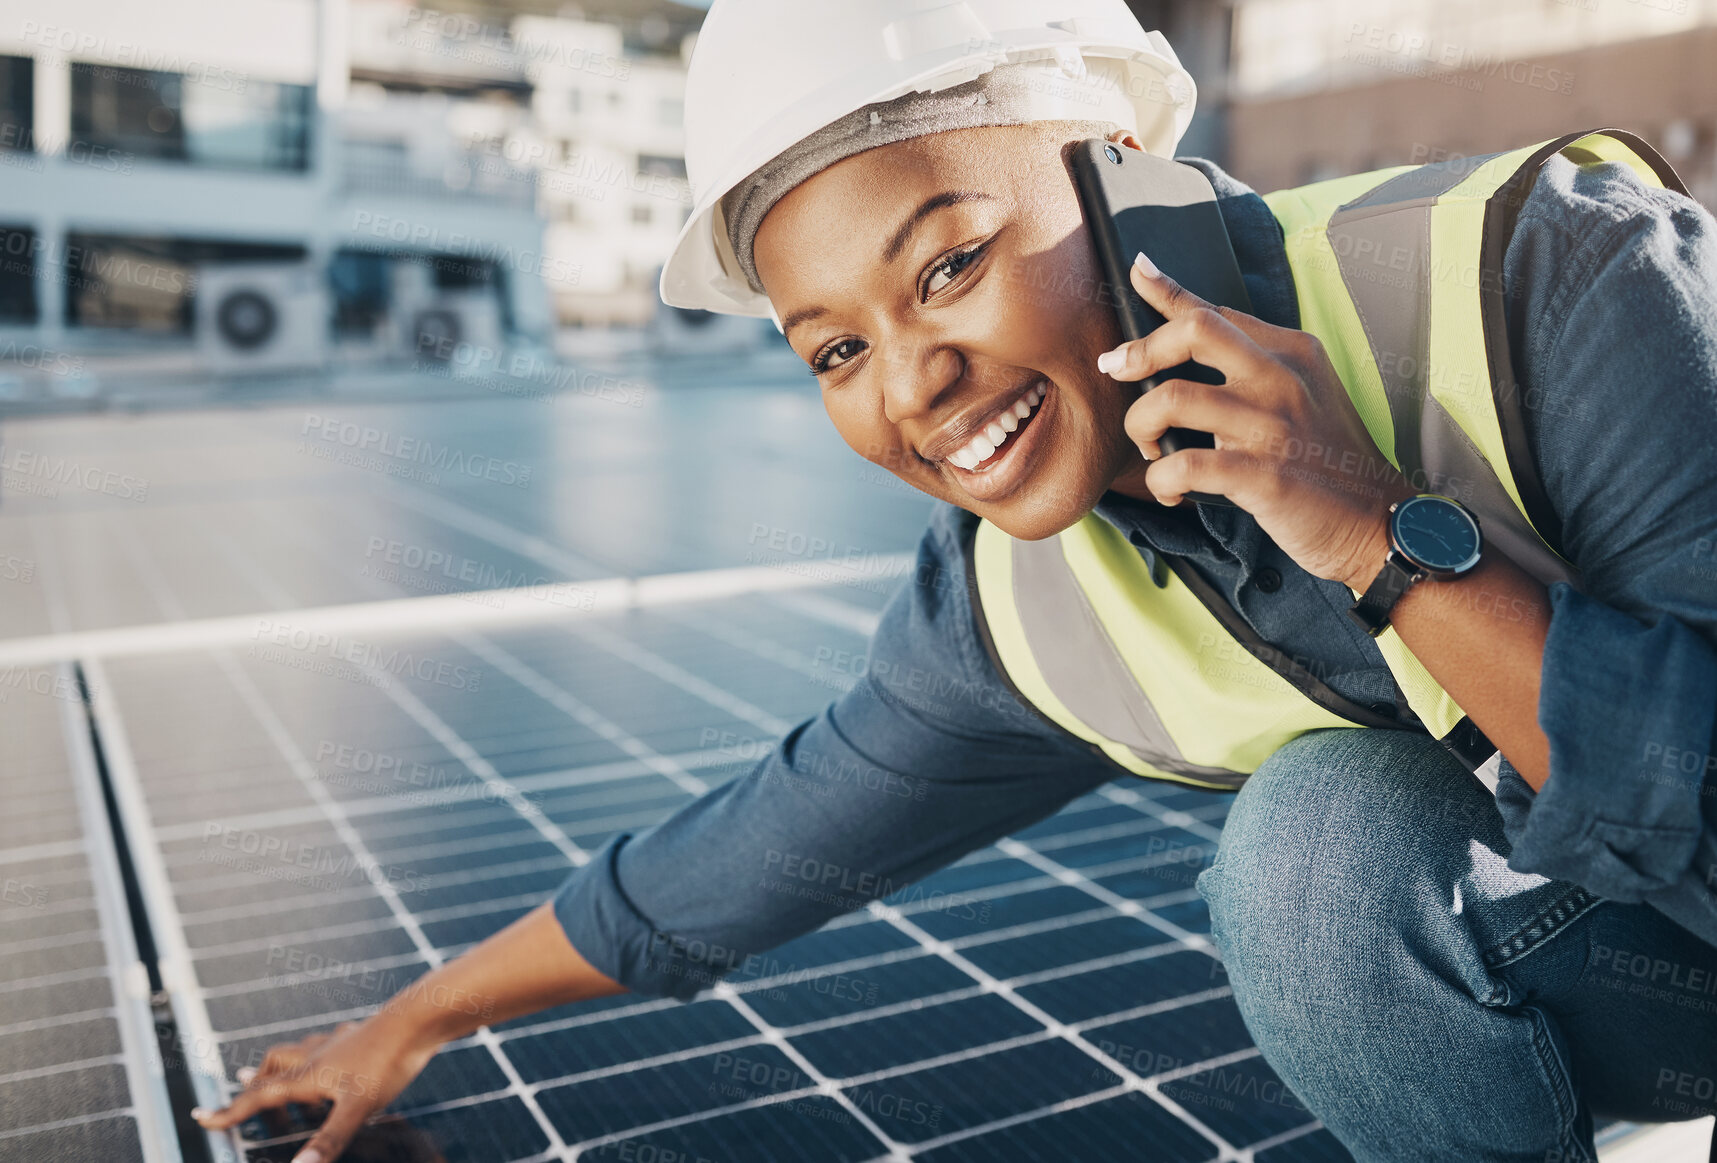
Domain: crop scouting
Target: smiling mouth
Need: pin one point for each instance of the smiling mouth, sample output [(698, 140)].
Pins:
[(991, 443)]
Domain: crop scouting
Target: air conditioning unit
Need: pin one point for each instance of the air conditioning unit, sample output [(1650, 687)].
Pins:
[(676, 331), (262, 317), (451, 330)]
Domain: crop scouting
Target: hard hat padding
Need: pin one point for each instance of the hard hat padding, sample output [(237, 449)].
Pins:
[(1096, 103)]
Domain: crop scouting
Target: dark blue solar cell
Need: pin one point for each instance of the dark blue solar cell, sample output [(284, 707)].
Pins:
[(455, 1073), (914, 1035), (969, 877), (810, 997), (1036, 952), (111, 1140), (641, 1098), (1244, 1102), (1129, 1126), (627, 1038), (1083, 996), (962, 916), (928, 1104), (1317, 1147), (792, 1131), (1175, 1038), (1192, 915)]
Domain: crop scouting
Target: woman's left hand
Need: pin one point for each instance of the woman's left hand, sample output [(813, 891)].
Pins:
[(1290, 447)]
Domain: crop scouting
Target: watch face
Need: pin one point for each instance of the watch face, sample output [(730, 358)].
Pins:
[(1436, 533)]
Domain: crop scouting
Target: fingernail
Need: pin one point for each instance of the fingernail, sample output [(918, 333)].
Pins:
[(1145, 264), (312, 1155), (245, 1074), (1109, 362), (200, 1113)]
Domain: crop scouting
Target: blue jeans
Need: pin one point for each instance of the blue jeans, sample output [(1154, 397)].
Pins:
[(1425, 1001)]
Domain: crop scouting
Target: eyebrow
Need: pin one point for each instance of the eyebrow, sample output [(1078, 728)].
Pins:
[(896, 243)]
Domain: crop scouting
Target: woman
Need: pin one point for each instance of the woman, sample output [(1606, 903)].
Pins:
[(1436, 972)]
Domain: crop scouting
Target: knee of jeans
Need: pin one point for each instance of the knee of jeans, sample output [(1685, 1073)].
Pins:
[(1332, 841)]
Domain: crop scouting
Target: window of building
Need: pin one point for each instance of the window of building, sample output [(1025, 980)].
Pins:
[(144, 283), (17, 102), (211, 118), (17, 275)]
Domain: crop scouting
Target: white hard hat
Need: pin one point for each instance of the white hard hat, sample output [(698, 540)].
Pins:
[(768, 73)]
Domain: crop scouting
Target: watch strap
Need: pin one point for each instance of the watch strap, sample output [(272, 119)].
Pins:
[(1371, 611)]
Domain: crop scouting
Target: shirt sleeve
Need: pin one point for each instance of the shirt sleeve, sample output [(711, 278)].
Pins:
[(930, 756), (1611, 296)]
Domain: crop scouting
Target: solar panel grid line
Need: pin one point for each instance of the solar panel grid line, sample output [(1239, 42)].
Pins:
[(1020, 1118), (65, 977), (939, 948), (442, 880), (62, 1068), (81, 1120), (1060, 1030), (834, 612), (724, 632), (50, 850), (31, 1025), (1132, 908), (1227, 1150), (580, 711), (1190, 821), (493, 782), (144, 1070), (699, 688), (824, 1085), (774, 1098), (197, 1041), (403, 916), (1251, 1153)]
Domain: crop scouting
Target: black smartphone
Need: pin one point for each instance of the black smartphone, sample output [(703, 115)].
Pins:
[(1136, 202)]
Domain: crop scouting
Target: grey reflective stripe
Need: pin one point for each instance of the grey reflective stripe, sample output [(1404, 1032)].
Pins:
[(1454, 466), (1382, 244), (1081, 663)]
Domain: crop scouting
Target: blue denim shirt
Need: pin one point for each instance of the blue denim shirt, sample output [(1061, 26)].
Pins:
[(1611, 302)]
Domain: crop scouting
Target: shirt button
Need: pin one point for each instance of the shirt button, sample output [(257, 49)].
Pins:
[(1267, 580)]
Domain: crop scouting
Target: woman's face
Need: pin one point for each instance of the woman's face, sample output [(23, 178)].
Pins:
[(940, 287)]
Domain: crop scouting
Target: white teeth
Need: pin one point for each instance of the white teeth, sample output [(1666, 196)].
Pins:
[(983, 446)]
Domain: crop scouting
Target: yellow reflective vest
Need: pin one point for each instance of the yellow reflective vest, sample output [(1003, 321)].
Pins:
[(1399, 273)]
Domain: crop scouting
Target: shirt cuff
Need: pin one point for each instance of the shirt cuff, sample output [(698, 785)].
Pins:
[(1628, 709), (617, 940)]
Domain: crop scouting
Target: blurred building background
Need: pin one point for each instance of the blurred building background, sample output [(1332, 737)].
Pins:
[(273, 186)]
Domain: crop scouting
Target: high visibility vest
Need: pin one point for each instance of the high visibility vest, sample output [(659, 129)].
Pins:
[(1399, 273)]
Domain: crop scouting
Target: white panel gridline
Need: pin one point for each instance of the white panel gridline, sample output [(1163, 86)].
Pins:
[(212, 739)]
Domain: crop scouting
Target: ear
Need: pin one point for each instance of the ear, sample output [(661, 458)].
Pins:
[(1127, 138)]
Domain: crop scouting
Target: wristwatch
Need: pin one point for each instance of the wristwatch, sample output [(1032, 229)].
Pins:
[(1430, 535)]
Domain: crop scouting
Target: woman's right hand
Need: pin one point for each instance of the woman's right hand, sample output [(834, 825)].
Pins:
[(358, 1067)]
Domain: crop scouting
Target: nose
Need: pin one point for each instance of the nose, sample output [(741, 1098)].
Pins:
[(917, 377)]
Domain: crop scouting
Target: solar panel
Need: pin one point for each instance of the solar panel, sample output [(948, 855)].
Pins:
[(80, 1073), (317, 838)]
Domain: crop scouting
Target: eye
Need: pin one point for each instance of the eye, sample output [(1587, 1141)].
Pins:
[(947, 269), (833, 355)]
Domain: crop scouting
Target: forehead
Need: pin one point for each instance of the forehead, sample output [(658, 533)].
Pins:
[(861, 199)]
